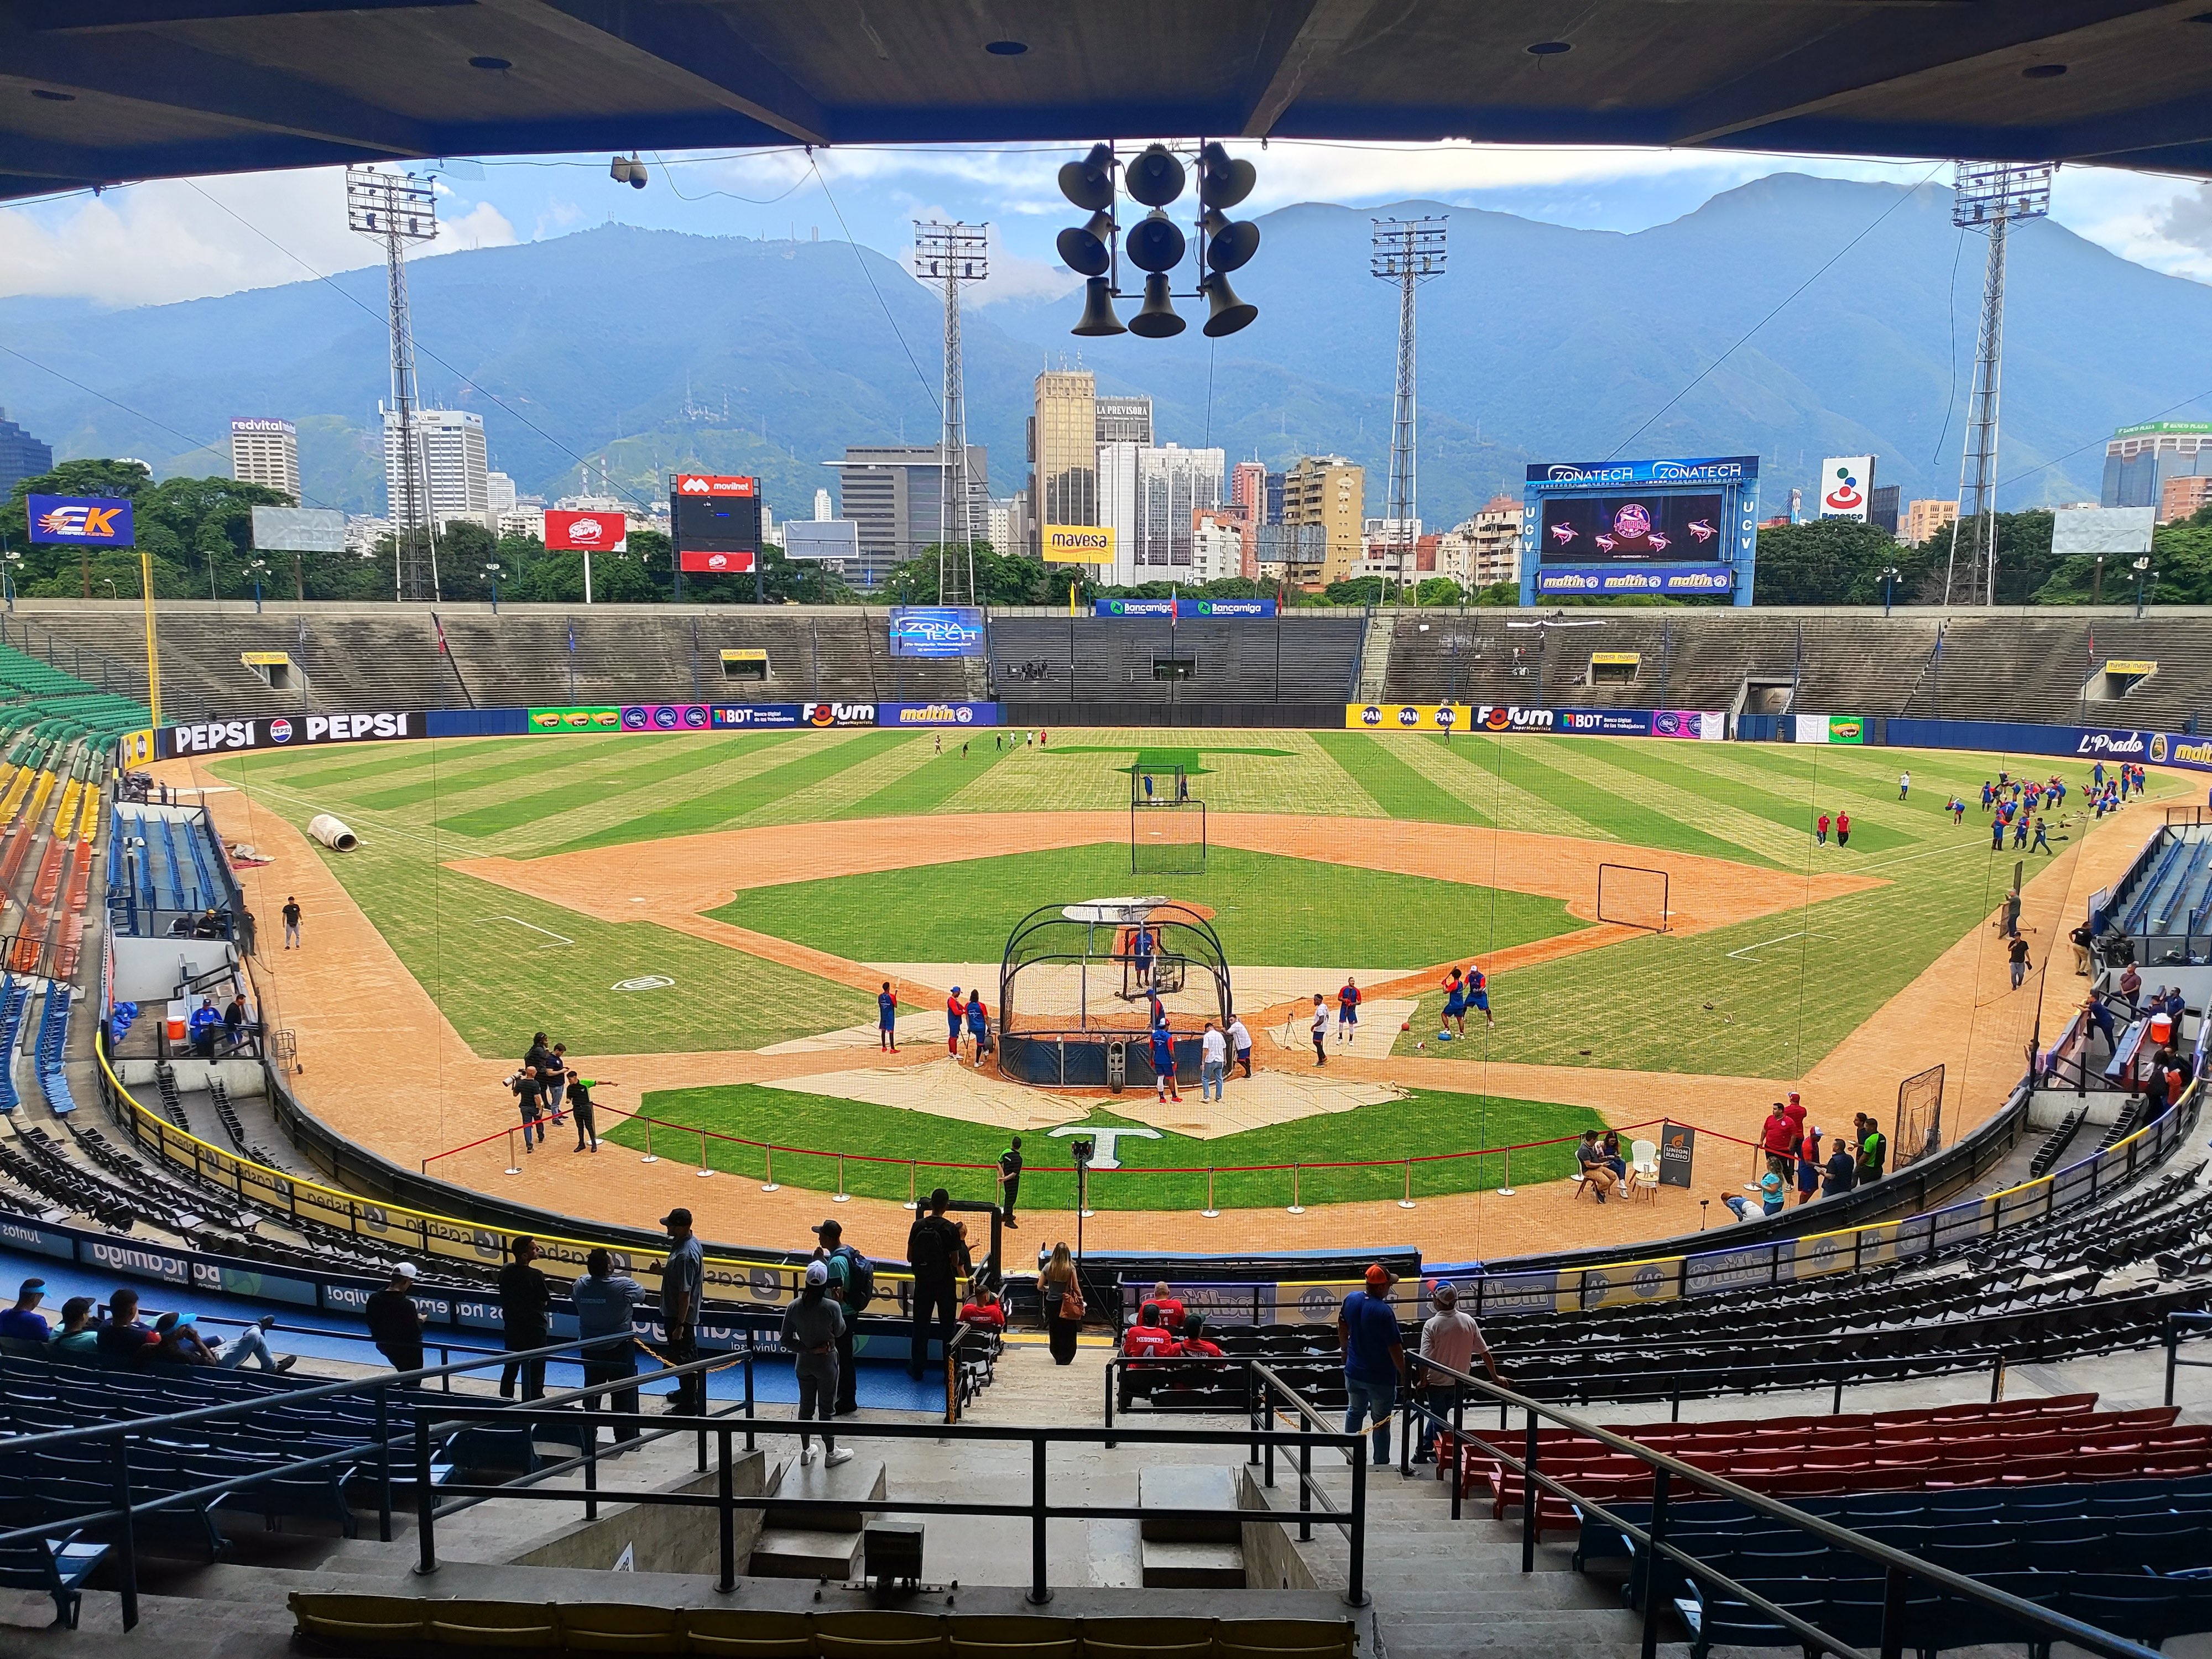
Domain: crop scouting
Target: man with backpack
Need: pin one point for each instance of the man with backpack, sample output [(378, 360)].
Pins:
[(933, 1251), (853, 1283)]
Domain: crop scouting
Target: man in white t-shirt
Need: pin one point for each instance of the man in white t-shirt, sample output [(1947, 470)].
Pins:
[(1212, 1061), (1240, 1041), (1453, 1339)]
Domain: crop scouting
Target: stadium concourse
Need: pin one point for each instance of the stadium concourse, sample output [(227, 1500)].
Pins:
[(351, 994)]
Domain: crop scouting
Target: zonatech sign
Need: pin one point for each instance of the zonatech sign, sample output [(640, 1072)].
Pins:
[(306, 731)]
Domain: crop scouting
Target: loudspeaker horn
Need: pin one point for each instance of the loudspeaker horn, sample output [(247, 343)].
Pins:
[(1155, 178), (1229, 313), (1230, 243), (1089, 183), (1158, 320), (1087, 249), (1098, 316), (1223, 181), (1155, 242)]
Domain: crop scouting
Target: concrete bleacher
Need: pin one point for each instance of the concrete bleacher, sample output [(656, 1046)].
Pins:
[(1309, 660)]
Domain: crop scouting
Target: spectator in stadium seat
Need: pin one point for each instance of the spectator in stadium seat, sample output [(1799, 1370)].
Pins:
[(524, 1302), (78, 1338), (1374, 1357), (2016, 955), (181, 1344), (1778, 1140), (1149, 1338), (1172, 1311), (1196, 1345), (1842, 1173), (125, 1339), (395, 1323), (1453, 1339), (1589, 1159), (983, 1311), (24, 1322)]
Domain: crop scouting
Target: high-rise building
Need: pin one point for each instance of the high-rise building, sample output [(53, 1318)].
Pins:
[(1923, 519), (1485, 549), (1000, 529), (453, 457), (500, 488), (2139, 459), (1331, 492), (1174, 485), (891, 492), (1272, 513), (1248, 489), (1219, 543), (21, 456), (2183, 497), (266, 452), (1881, 508), (1124, 419), (1117, 503), (823, 514), (1064, 449)]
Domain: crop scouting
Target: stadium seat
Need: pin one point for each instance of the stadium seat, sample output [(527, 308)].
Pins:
[(742, 1633), (491, 1624), (55, 1567), (620, 1627)]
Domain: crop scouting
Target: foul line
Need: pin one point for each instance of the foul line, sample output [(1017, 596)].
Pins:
[(1785, 939), (559, 938)]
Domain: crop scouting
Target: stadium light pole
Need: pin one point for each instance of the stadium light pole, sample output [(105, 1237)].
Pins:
[(1405, 252), (2141, 569), (398, 209), (1889, 575), (492, 571), (952, 254)]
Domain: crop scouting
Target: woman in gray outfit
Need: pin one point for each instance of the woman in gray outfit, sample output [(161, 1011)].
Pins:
[(812, 1326)]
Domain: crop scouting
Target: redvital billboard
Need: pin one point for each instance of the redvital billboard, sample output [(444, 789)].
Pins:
[(586, 532)]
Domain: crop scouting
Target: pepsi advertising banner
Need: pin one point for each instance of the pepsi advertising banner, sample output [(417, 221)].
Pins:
[(293, 731), (82, 520), (1678, 527), (936, 630)]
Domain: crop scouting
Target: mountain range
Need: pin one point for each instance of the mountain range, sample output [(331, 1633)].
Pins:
[(1792, 317)]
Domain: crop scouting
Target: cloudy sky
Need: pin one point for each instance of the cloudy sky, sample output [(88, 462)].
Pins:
[(151, 243)]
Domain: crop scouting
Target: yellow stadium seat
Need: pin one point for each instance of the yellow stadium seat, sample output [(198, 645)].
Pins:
[(1147, 1638), (492, 1624), (879, 1635), (620, 1627), (1283, 1639), (357, 1618), (1014, 1636), (739, 1633)]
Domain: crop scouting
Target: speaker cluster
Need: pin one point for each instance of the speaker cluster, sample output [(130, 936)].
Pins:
[(1154, 179)]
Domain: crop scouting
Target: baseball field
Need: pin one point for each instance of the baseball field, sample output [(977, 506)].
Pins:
[(706, 920)]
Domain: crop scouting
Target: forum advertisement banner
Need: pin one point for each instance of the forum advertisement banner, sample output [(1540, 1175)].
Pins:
[(1445, 717)]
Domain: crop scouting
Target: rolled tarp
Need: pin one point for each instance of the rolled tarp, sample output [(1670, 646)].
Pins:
[(332, 834)]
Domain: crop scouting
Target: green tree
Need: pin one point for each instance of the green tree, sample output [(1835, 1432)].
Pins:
[(1439, 590), (1360, 591), (2026, 564), (1832, 561)]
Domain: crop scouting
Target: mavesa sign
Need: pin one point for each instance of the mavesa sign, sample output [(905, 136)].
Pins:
[(1078, 543), (307, 731)]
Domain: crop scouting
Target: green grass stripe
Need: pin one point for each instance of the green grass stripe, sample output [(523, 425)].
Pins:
[(1399, 789), (1033, 780), (1443, 762), (724, 805), (1546, 773), (1778, 834), (927, 787), (1268, 910), (329, 767), (716, 764), (893, 756), (649, 764), (1879, 824), (1424, 1123), (449, 780)]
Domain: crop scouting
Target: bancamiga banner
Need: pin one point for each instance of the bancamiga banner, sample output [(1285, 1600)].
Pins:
[(1258, 609), (286, 732)]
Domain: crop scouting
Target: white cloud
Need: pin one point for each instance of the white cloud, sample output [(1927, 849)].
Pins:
[(481, 226)]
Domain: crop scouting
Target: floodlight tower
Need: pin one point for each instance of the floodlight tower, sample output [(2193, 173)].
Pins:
[(952, 254), (1405, 252), (398, 209), (1988, 196)]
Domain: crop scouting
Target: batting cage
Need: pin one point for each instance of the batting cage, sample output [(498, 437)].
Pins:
[(1919, 1130), (1167, 824), (1633, 896), (1082, 985)]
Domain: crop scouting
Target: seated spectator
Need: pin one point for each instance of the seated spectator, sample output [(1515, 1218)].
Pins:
[(1843, 1170), (984, 1311), (1589, 1158), (179, 1343), (123, 1337), (1148, 1338), (23, 1321), (78, 1338), (1614, 1160), (1196, 1343), (1172, 1312), (1771, 1198)]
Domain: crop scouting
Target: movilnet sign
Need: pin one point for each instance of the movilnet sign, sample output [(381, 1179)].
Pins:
[(1678, 1150), (81, 520), (293, 731), (586, 532), (709, 485)]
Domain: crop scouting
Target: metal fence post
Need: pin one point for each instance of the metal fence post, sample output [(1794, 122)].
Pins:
[(126, 1535), (1040, 1591), (426, 1499), (750, 1437), (2172, 1354), (384, 1463), (1305, 1487), (1529, 1498), (1355, 1587), (1651, 1595), (725, 1491), (1894, 1587)]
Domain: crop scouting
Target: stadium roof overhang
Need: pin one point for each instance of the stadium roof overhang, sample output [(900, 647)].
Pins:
[(96, 91)]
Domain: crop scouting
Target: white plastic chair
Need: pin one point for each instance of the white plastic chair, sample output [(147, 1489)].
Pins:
[(1644, 1167)]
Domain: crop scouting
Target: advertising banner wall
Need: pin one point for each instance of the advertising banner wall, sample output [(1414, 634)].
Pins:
[(1846, 484), (1077, 543), (286, 732), (1256, 609), (596, 717), (837, 714), (2088, 743), (1641, 723), (754, 716), (586, 532), (81, 520), (1445, 717), (1639, 579), (937, 714), (729, 563), (936, 630), (666, 717), (1829, 728)]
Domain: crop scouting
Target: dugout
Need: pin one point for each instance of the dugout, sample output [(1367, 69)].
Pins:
[(1078, 985)]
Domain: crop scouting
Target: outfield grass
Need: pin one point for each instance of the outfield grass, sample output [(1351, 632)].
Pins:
[(1425, 1123), (1268, 908)]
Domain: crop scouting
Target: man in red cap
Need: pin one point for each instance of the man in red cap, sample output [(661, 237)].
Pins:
[(1374, 1357)]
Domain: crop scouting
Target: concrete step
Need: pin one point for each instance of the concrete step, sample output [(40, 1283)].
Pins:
[(799, 1552), (1185, 1565), (862, 1478), (1189, 1487)]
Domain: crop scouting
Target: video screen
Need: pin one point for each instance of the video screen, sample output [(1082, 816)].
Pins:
[(1626, 529), (717, 524)]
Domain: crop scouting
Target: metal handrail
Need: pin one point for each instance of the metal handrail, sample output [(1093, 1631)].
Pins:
[(1039, 1509), (2179, 1324), (116, 1435), (1898, 1567)]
